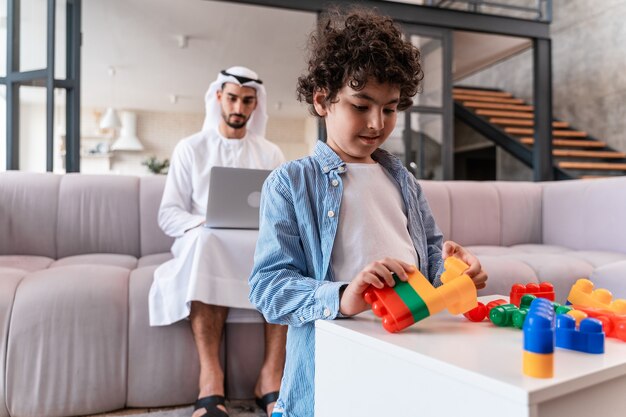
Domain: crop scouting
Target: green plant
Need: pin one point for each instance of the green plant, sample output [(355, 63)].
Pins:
[(156, 166)]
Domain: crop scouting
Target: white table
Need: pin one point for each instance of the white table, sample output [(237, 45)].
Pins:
[(448, 366)]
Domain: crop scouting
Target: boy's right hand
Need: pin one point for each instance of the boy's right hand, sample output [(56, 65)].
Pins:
[(377, 274)]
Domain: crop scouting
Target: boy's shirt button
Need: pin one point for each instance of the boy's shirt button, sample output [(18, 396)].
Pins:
[(335, 183), (326, 312), (341, 169), (325, 169), (331, 213)]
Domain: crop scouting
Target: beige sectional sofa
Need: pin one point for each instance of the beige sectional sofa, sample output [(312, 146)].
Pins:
[(77, 253)]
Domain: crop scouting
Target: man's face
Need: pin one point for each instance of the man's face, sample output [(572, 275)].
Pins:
[(237, 104)]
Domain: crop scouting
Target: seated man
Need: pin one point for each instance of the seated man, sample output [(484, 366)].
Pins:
[(232, 136)]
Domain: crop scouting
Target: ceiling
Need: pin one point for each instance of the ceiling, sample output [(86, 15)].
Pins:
[(156, 70)]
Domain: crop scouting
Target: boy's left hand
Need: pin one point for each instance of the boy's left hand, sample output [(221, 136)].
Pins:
[(475, 270)]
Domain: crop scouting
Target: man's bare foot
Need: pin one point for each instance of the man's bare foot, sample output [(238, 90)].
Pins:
[(267, 384)]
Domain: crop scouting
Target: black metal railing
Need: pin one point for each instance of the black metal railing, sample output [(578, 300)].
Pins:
[(540, 10)]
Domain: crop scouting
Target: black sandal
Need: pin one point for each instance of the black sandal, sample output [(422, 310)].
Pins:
[(266, 400), (210, 406)]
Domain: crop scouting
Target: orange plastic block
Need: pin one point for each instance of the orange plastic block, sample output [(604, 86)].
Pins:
[(541, 290), (457, 294), (613, 325), (583, 294), (538, 365), (388, 305)]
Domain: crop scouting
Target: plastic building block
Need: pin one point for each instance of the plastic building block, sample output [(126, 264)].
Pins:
[(502, 316), (588, 338), (539, 339), (409, 302), (541, 290), (613, 325), (583, 294), (481, 312)]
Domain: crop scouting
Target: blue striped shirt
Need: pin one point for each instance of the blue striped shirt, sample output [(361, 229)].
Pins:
[(292, 282)]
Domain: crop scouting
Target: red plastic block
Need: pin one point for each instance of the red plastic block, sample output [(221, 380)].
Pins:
[(613, 325), (480, 312), (541, 290)]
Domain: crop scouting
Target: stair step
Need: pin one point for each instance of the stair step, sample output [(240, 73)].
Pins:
[(499, 113), (518, 122), (482, 105), (607, 166), (569, 142), (577, 153), (463, 97), (557, 133), (486, 93), (596, 177)]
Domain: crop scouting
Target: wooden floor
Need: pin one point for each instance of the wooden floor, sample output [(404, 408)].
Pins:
[(238, 408)]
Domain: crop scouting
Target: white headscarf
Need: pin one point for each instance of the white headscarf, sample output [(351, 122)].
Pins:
[(244, 77)]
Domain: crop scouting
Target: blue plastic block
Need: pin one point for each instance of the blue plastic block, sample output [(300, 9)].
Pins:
[(539, 327), (589, 338)]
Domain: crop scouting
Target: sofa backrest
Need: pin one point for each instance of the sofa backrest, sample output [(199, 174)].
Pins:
[(586, 214), (152, 238), (486, 213), (98, 214), (28, 213), (64, 215)]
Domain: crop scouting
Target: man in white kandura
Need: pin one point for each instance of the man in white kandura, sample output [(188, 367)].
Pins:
[(232, 136)]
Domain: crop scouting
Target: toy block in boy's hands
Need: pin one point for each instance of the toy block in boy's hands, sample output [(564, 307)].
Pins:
[(409, 302), (588, 337), (582, 294), (541, 290)]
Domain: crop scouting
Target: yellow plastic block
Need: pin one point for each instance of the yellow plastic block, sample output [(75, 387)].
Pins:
[(578, 315), (538, 365), (458, 290), (583, 294), (427, 292)]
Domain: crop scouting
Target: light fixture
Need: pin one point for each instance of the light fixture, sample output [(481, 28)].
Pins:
[(128, 140), (110, 120)]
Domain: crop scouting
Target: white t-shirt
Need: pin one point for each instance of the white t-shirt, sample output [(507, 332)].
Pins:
[(372, 222), (187, 188)]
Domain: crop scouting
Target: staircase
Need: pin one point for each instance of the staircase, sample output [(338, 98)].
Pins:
[(508, 121)]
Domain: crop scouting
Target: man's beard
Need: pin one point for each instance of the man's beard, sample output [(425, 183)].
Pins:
[(235, 125)]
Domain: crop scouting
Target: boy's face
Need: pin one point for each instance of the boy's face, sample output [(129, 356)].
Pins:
[(359, 121)]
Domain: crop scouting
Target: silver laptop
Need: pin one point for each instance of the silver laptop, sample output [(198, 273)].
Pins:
[(234, 198)]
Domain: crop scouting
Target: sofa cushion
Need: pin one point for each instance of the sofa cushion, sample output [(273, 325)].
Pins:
[(111, 259), (598, 258), (438, 199), (503, 272), (152, 238), (586, 215), (9, 280), (475, 213), (28, 213), (98, 214), (163, 367), (520, 205), (612, 277), (154, 259), (25, 262), (70, 352)]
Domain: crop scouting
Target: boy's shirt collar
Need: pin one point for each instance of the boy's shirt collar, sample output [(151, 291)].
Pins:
[(329, 160)]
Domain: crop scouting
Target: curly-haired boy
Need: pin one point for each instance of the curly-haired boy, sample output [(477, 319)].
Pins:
[(349, 215)]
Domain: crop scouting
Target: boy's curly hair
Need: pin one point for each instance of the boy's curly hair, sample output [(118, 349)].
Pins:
[(350, 48)]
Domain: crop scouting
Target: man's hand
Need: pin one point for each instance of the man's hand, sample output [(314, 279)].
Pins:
[(377, 274), (475, 270)]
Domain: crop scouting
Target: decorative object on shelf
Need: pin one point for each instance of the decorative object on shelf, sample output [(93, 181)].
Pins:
[(128, 140), (155, 166)]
